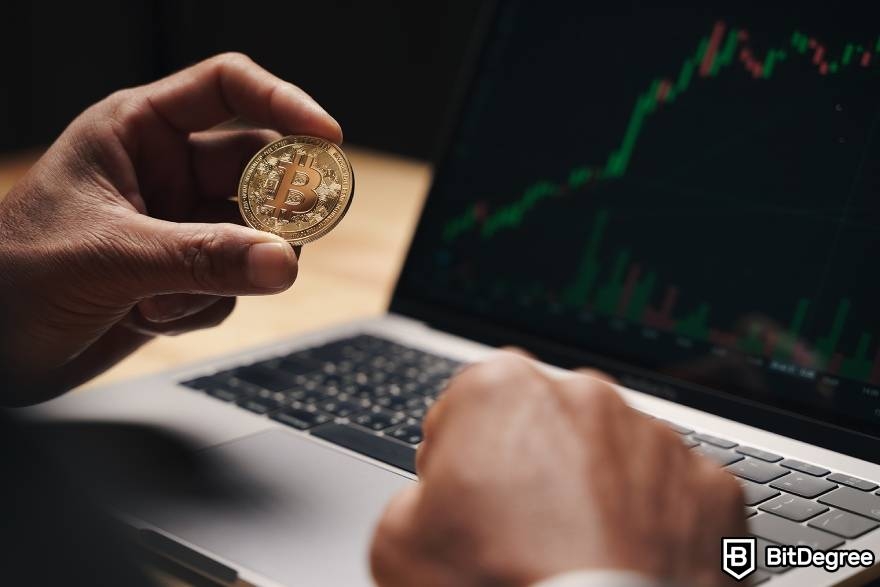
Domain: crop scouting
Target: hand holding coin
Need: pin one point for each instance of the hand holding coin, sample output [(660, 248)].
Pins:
[(298, 187), (151, 245)]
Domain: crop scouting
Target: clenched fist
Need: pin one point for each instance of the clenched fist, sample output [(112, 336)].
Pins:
[(123, 229), (523, 476)]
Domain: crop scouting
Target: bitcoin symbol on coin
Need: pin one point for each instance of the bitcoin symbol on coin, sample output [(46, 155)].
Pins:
[(298, 187), (296, 193)]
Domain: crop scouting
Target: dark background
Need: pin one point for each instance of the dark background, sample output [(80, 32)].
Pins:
[(386, 69)]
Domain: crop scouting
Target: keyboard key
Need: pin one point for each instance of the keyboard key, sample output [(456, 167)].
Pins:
[(843, 524), (395, 403), (417, 406), (410, 433), (300, 418), (853, 482), (853, 500), (223, 386), (359, 390), (384, 389), (754, 494), (782, 531), (382, 449), (757, 471), (376, 383), (761, 550), (677, 427), (265, 377), (720, 442), (803, 485), (299, 363), (793, 507), (225, 393), (260, 405), (309, 396), (750, 512), (759, 454), (720, 456), (340, 407), (201, 383), (805, 467), (689, 442), (377, 419), (417, 401)]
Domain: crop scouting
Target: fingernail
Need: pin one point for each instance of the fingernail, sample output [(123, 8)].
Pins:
[(339, 127), (269, 265)]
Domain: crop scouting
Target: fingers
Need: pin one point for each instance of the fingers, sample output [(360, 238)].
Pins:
[(473, 378), (169, 307), (388, 550), (595, 408), (218, 158), (210, 316), (596, 374), (161, 257), (721, 512), (232, 85), (518, 351), (488, 390)]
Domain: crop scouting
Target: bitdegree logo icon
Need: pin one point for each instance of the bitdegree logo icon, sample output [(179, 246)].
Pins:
[(738, 557)]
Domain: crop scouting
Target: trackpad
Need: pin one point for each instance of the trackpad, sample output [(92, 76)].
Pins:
[(304, 516)]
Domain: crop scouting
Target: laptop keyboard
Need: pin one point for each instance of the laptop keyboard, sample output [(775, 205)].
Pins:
[(364, 393), (369, 395), (789, 501)]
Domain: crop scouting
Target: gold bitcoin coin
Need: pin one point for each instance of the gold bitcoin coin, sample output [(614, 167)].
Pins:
[(298, 187)]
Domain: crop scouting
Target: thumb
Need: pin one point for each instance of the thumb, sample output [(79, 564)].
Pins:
[(218, 259)]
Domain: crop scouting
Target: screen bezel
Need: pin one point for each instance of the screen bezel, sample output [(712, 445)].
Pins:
[(859, 443)]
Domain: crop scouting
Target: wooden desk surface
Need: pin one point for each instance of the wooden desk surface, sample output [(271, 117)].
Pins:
[(348, 274)]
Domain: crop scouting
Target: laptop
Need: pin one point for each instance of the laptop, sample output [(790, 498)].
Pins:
[(684, 197)]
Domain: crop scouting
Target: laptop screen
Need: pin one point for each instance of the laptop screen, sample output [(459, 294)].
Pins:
[(690, 191)]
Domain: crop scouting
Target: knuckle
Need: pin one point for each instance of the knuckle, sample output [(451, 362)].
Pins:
[(198, 260), (119, 98), (665, 435), (231, 59), (596, 374), (121, 105), (198, 256), (729, 489), (498, 374), (593, 396), (103, 125)]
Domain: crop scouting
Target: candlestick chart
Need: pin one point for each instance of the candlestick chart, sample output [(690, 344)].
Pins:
[(700, 182)]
